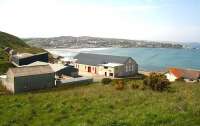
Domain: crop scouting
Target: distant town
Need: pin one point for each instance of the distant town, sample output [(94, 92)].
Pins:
[(97, 42)]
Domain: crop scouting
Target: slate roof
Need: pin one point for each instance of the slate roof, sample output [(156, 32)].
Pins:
[(31, 70), (96, 59), (185, 73)]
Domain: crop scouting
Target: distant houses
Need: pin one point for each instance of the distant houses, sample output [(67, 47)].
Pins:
[(106, 65), (185, 74)]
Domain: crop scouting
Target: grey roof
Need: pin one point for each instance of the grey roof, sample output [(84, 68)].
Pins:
[(31, 70), (95, 59)]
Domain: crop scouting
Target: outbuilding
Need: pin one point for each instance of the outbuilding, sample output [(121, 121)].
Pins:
[(59, 69), (27, 58), (29, 78)]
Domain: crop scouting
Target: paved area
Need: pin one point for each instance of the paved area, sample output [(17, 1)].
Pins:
[(96, 78)]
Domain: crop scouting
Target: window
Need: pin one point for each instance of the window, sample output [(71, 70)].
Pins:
[(126, 68), (111, 74), (105, 67), (132, 68), (129, 68)]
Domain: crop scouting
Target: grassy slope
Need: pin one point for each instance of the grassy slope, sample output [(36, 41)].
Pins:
[(98, 105), (7, 40)]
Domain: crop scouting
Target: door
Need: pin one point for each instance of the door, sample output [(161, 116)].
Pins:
[(105, 73), (89, 69)]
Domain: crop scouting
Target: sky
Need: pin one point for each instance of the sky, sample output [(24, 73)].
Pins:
[(160, 20)]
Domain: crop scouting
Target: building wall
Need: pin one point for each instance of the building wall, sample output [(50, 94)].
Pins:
[(130, 68), (85, 68), (170, 77), (119, 71), (25, 61), (106, 71), (33, 82), (9, 81)]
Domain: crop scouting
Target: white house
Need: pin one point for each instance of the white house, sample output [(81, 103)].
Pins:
[(187, 74)]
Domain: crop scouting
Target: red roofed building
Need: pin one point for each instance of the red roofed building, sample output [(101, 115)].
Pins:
[(186, 74)]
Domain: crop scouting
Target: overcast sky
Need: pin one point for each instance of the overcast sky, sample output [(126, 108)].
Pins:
[(168, 20)]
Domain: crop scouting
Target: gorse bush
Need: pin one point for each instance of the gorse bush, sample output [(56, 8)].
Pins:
[(157, 82), (119, 85), (135, 85), (106, 80), (142, 87)]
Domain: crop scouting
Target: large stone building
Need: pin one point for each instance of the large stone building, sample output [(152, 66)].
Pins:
[(29, 78), (106, 65)]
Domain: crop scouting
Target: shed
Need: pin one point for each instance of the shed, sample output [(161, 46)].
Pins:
[(29, 78), (61, 69)]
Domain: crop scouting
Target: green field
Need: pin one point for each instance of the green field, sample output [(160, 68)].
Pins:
[(103, 105)]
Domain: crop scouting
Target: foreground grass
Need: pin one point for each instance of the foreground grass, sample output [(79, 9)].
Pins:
[(102, 105)]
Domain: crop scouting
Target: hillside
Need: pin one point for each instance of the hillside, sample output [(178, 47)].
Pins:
[(95, 42), (102, 105), (8, 40)]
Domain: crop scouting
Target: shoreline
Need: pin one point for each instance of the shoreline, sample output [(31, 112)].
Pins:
[(147, 73), (152, 56)]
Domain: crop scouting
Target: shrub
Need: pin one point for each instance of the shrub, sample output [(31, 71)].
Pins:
[(181, 79), (119, 85), (142, 87), (135, 85), (156, 82), (106, 80)]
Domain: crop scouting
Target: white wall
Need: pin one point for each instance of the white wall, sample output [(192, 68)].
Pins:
[(170, 77)]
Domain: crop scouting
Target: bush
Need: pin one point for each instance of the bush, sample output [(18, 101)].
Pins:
[(181, 79), (142, 87), (119, 85), (106, 80), (157, 82), (135, 85)]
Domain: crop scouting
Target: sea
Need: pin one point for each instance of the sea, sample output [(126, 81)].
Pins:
[(148, 59)]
